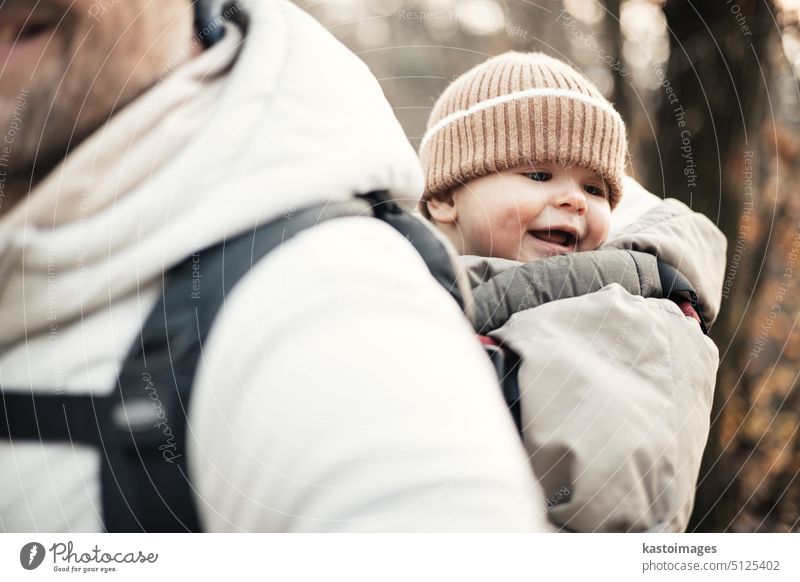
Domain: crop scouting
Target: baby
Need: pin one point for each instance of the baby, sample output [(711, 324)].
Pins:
[(523, 159)]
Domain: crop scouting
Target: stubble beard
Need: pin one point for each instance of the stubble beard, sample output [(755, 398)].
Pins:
[(69, 96)]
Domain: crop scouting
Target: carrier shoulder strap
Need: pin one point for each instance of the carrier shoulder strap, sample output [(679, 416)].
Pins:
[(140, 429), (434, 253)]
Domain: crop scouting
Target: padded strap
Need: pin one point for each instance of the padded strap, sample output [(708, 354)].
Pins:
[(54, 418), (436, 257), (145, 482), (533, 284), (140, 429), (506, 366)]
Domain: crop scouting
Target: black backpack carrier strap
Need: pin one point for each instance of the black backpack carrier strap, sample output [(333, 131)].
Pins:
[(506, 367), (146, 486), (140, 428), (424, 242), (60, 418)]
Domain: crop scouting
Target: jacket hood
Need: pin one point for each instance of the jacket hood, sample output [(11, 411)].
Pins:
[(277, 116)]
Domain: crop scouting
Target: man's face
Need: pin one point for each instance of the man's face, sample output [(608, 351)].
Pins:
[(67, 65), (530, 213)]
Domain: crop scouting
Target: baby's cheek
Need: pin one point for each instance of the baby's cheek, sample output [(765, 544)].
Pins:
[(599, 228), (592, 241), (513, 225), (489, 237), (508, 232), (486, 237), (493, 230)]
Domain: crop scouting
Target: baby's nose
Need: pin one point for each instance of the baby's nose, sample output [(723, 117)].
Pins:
[(572, 197)]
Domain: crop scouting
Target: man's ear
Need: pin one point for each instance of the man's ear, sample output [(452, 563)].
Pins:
[(443, 209)]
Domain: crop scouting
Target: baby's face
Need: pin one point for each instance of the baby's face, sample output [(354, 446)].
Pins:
[(530, 213)]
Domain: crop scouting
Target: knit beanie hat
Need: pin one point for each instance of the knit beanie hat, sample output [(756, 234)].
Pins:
[(517, 109)]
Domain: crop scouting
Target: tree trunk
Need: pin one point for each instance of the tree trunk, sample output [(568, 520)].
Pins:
[(711, 140)]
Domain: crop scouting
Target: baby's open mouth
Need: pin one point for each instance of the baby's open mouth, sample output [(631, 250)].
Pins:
[(556, 237)]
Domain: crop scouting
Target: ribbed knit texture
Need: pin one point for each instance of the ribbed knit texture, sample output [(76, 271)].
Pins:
[(517, 109)]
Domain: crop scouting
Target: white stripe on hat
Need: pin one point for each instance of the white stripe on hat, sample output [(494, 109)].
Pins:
[(518, 96)]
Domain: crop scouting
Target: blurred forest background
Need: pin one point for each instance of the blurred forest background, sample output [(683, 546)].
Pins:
[(728, 69)]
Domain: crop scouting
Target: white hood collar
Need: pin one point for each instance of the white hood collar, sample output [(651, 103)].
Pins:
[(297, 120)]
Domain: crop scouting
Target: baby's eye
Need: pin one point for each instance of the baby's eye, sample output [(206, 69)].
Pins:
[(594, 190), (538, 176)]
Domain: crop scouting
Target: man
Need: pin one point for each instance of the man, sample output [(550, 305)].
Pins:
[(132, 140)]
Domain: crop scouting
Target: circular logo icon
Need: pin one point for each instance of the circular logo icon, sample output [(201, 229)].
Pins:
[(31, 555)]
